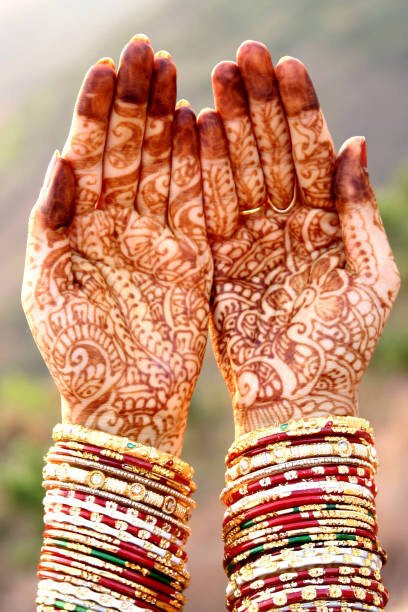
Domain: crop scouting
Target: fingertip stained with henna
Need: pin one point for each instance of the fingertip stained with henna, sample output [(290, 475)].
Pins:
[(95, 98), (296, 87), (58, 207), (229, 90)]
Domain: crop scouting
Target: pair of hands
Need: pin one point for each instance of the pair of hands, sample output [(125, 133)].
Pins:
[(139, 236)]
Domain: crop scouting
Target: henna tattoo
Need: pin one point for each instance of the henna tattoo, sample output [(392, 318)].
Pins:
[(312, 146), (231, 102), (268, 121), (299, 301), (116, 301)]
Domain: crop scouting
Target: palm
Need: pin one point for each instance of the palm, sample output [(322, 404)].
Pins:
[(118, 300), (299, 299)]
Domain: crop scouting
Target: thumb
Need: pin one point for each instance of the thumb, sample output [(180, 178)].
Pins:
[(366, 246), (48, 268)]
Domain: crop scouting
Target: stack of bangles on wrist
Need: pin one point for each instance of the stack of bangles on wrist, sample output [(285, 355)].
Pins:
[(115, 514), (300, 529)]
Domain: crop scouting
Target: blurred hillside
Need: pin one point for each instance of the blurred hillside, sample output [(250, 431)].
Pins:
[(357, 53)]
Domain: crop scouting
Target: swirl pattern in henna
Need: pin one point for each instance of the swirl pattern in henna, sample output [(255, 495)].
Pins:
[(300, 301), (117, 301)]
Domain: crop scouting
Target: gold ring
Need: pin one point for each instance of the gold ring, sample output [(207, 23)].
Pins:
[(284, 211), (251, 211)]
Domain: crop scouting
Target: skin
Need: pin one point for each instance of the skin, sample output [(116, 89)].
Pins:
[(118, 269), (299, 299)]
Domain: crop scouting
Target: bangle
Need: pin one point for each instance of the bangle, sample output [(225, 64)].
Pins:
[(50, 484), (85, 593), (113, 508), (300, 526), (135, 464), (282, 454), (122, 445), (300, 427), (97, 480), (115, 524)]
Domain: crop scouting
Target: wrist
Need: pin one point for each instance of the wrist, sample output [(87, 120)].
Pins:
[(265, 414)]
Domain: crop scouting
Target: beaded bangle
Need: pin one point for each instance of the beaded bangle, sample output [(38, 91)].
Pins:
[(97, 480), (121, 474), (282, 454), (127, 462), (123, 501), (298, 464), (128, 514), (122, 521)]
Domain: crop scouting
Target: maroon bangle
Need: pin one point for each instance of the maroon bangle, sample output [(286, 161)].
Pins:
[(107, 584), (294, 440), (285, 519), (304, 475), (325, 500), (63, 453), (100, 501), (164, 592), (322, 593), (86, 514), (126, 552)]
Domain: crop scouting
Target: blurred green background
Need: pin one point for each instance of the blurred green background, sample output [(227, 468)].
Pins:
[(357, 53)]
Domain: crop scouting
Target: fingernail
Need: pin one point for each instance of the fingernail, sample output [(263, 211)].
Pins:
[(285, 58), (163, 54), (183, 103), (363, 153), (141, 36), (50, 167), (107, 61)]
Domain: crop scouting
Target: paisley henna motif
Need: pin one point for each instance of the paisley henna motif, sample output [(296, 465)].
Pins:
[(117, 301), (299, 300)]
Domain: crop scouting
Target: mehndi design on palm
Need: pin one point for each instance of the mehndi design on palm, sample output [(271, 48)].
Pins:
[(299, 299), (118, 270)]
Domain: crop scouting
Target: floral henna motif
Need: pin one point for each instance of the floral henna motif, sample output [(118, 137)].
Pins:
[(117, 301), (299, 300)]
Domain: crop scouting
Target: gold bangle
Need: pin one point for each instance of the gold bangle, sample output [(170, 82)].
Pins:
[(78, 433), (251, 211), (281, 454), (95, 465), (123, 501), (300, 427), (97, 480)]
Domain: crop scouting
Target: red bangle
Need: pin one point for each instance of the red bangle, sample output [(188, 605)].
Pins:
[(304, 437)]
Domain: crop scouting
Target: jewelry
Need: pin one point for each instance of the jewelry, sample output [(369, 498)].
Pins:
[(289, 207), (251, 211)]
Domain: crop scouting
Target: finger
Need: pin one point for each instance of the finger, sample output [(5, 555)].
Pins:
[(231, 103), (220, 199), (126, 126), (154, 183), (86, 140), (312, 145), (185, 212), (367, 250), (48, 269), (268, 121)]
